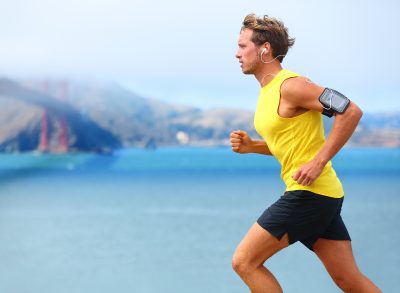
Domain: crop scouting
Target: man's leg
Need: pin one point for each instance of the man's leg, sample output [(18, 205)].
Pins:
[(255, 248), (337, 257)]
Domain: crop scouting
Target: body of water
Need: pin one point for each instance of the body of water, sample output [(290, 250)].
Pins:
[(169, 221)]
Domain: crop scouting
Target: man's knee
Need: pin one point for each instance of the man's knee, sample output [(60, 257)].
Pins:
[(239, 264), (255, 249), (242, 265)]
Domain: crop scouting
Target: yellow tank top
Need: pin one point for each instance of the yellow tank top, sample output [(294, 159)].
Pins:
[(294, 141)]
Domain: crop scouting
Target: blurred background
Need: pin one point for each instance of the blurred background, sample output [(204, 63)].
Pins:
[(115, 168)]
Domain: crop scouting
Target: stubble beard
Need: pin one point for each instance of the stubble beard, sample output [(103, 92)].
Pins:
[(250, 69)]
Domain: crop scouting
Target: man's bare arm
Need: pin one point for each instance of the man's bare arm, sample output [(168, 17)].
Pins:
[(343, 127), (301, 93), (242, 143)]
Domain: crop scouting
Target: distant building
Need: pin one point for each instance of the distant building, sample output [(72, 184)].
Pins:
[(182, 137)]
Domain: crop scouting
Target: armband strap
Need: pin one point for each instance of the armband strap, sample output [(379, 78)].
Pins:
[(328, 113)]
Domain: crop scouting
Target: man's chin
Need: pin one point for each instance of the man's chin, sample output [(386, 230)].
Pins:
[(247, 71)]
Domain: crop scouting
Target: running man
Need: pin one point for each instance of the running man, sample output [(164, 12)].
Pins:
[(289, 119)]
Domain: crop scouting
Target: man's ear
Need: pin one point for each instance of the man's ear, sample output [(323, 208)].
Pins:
[(266, 47)]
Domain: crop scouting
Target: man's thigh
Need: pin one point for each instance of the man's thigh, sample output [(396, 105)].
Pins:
[(258, 245), (337, 256)]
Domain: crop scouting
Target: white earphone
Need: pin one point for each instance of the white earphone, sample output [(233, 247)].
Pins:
[(265, 62)]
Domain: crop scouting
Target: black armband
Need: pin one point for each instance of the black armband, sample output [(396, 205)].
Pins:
[(333, 102)]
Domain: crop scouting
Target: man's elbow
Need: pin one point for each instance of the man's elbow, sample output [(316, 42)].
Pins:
[(355, 111), (358, 112)]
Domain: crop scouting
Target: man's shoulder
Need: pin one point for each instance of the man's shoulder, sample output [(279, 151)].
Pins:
[(299, 91), (294, 87)]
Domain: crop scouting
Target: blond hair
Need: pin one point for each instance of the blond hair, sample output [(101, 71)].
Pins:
[(271, 30)]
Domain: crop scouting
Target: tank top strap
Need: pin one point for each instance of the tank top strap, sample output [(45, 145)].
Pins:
[(285, 75), (272, 89)]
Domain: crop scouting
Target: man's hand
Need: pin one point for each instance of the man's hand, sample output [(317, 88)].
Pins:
[(308, 173), (241, 142)]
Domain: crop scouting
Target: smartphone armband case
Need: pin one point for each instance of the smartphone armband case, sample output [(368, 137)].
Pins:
[(332, 101)]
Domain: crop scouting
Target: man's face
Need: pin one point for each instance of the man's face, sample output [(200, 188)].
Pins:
[(247, 52)]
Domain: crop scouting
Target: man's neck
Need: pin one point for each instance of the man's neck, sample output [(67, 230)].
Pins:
[(267, 73)]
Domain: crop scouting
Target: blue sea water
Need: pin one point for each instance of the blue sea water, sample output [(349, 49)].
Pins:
[(169, 220)]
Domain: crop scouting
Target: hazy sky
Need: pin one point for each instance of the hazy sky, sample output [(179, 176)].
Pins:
[(183, 51)]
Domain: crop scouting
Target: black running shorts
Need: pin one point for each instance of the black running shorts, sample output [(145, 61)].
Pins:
[(305, 216)]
